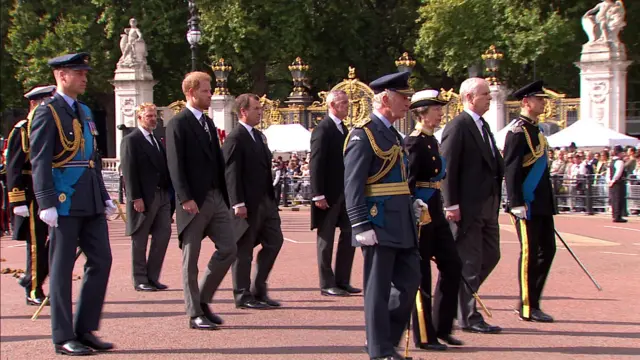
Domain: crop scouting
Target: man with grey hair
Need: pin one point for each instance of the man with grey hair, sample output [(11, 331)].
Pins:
[(382, 215), (329, 210), (471, 192)]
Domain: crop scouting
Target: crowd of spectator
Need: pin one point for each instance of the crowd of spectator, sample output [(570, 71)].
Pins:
[(291, 178)]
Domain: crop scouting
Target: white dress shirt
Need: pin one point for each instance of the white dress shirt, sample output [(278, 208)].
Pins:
[(146, 136), (197, 113), (249, 128)]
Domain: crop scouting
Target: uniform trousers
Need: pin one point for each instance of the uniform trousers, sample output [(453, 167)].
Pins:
[(537, 249), (391, 279), (91, 234), (35, 232), (436, 241)]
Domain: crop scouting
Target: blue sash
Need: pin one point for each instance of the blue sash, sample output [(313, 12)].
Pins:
[(425, 194), (533, 179), (64, 179)]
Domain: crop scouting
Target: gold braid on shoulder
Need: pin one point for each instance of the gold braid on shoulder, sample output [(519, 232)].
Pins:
[(536, 152), (388, 157), (67, 146)]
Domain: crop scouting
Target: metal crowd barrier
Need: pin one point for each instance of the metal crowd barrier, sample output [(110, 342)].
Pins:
[(295, 190), (588, 194)]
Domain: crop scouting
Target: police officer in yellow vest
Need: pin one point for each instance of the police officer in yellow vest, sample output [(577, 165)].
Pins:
[(70, 191), (27, 225), (382, 215), (530, 199)]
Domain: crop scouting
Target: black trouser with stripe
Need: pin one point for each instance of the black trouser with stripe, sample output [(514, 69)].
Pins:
[(35, 232), (436, 240), (537, 249)]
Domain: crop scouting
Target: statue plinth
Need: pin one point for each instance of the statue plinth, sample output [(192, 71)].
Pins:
[(603, 51)]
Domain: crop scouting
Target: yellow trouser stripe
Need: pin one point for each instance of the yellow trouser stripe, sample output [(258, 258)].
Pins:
[(422, 323), (34, 251), (524, 268)]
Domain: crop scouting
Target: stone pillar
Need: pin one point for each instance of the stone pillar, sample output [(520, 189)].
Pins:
[(133, 81), (221, 111), (496, 116), (603, 84)]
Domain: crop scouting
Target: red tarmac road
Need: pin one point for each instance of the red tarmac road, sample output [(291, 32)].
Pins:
[(589, 324)]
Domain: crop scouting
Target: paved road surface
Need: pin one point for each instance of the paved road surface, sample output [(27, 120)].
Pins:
[(590, 324)]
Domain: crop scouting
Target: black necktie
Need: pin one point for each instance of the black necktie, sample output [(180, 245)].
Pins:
[(487, 137), (397, 134), (345, 131), (205, 126), (254, 135), (153, 142), (76, 108)]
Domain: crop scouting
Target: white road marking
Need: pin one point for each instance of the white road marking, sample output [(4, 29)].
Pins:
[(18, 245), (622, 228), (299, 242), (617, 253)]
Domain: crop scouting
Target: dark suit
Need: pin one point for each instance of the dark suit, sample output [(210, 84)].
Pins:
[(31, 228), (392, 266), (536, 233), (473, 181), (196, 167), (80, 203), (327, 179), (248, 174), (146, 176), (426, 170)]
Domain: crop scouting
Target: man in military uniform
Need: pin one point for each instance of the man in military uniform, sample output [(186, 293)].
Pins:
[(70, 192), (380, 209), (26, 224), (426, 170), (530, 199)]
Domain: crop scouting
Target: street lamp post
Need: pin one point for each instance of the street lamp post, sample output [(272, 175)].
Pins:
[(405, 63), (193, 35), (492, 59)]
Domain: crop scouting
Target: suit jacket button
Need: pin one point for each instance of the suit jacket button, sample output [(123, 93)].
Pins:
[(433, 158)]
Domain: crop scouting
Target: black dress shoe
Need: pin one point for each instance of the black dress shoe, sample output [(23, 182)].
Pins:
[(251, 303), (350, 289), (483, 328), (333, 291), (92, 341), (36, 301), (267, 300), (451, 340), (145, 287), (202, 323), (538, 316), (210, 315), (73, 348), (620, 220), (158, 285), (435, 346)]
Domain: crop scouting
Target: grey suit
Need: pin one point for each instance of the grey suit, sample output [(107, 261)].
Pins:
[(197, 173), (392, 267), (146, 175), (473, 181)]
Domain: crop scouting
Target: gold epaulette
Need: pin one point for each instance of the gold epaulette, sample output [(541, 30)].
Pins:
[(20, 123), (17, 195), (415, 132)]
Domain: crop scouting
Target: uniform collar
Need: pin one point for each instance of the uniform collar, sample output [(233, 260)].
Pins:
[(382, 118), (528, 119), (69, 100), (424, 130)]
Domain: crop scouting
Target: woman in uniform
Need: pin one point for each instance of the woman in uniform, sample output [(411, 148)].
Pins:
[(426, 170)]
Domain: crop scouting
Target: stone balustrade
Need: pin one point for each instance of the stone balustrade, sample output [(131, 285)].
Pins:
[(110, 164)]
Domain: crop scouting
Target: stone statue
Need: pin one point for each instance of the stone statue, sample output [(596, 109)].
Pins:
[(134, 50), (604, 22)]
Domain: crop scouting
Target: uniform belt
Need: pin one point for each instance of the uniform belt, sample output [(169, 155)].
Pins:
[(398, 188), (429, 184), (80, 163), (26, 172)]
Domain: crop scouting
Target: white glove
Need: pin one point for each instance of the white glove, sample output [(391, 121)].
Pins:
[(21, 210), (110, 208), (49, 216), (367, 238), (418, 207), (519, 212)]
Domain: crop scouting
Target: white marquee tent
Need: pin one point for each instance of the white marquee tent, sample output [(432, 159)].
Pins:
[(288, 138), (587, 133)]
